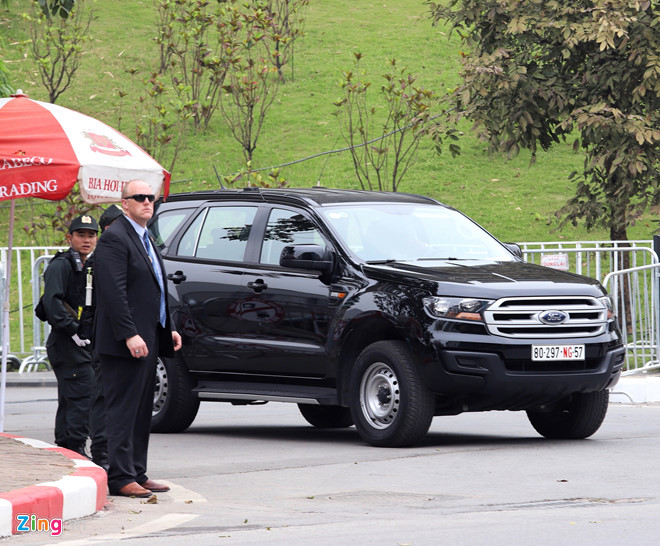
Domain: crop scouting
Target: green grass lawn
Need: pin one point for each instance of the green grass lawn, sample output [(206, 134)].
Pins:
[(516, 201)]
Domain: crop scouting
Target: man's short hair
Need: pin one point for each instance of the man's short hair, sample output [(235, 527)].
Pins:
[(109, 215)]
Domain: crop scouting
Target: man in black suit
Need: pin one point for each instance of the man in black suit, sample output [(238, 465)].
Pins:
[(132, 328)]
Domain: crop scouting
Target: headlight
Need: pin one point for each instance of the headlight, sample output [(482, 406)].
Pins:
[(456, 308), (609, 305)]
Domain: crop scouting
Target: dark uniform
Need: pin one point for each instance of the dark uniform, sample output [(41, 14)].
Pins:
[(63, 298), (99, 445)]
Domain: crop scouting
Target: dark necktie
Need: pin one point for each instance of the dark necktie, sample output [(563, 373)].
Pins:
[(159, 275)]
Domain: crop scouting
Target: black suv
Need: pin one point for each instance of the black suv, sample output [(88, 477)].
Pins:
[(374, 309)]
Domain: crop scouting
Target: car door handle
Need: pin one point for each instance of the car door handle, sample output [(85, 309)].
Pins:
[(177, 277), (258, 286)]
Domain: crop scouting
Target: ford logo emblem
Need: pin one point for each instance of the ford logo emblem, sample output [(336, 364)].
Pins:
[(553, 317)]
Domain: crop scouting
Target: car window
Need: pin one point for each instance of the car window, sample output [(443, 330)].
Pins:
[(286, 227), (165, 225), (218, 233)]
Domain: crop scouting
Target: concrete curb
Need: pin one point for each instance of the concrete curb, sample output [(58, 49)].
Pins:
[(81, 493), (31, 379), (643, 388)]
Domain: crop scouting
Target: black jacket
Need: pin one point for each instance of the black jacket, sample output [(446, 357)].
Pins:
[(64, 291), (127, 294)]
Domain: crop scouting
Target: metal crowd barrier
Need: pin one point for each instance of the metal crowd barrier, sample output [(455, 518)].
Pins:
[(629, 269), (12, 360), (593, 259), (630, 272), (27, 357), (635, 293), (40, 330)]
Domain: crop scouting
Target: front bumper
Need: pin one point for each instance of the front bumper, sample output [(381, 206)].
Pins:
[(469, 377)]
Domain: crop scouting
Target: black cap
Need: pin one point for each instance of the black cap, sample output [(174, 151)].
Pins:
[(109, 215), (83, 222)]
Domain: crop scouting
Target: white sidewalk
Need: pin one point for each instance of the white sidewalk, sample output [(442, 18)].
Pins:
[(637, 389)]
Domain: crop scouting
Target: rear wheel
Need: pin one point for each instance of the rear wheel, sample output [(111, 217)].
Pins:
[(391, 406), (175, 405), (576, 417), (326, 416)]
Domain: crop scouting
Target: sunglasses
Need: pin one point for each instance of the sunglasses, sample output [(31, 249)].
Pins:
[(140, 197)]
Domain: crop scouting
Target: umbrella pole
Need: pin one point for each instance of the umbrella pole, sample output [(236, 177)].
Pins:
[(5, 321)]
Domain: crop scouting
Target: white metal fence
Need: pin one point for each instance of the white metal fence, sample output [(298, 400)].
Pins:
[(28, 264), (635, 293), (595, 259), (630, 270)]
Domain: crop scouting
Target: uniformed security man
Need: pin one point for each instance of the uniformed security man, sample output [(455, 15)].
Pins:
[(69, 353)]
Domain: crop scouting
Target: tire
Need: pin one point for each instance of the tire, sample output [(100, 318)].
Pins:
[(326, 416), (390, 405), (577, 417), (175, 405)]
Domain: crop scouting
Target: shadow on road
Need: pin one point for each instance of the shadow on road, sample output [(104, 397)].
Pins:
[(350, 436)]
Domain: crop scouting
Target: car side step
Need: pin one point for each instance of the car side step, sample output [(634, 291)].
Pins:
[(298, 394)]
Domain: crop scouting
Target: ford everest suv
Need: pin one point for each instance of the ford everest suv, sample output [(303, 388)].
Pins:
[(379, 310)]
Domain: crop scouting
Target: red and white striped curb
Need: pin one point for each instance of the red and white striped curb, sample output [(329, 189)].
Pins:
[(81, 493)]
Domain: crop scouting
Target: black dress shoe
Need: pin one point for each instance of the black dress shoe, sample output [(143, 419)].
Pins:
[(133, 490)]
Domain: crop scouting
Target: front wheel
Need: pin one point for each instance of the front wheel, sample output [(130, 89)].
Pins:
[(390, 404), (576, 417), (175, 405)]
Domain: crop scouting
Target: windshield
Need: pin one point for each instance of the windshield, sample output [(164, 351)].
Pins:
[(402, 232)]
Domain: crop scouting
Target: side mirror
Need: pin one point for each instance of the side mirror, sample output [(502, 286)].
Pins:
[(514, 249), (310, 257)]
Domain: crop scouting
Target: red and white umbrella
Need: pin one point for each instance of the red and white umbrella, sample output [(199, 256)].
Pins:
[(45, 149)]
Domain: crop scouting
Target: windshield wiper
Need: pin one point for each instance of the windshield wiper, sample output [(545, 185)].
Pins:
[(448, 258), (377, 262)]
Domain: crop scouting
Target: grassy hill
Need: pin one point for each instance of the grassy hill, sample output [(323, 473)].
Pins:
[(512, 199)]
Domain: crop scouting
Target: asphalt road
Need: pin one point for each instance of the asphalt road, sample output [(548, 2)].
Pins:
[(261, 475)]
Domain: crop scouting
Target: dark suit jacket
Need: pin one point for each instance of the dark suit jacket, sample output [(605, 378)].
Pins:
[(127, 294)]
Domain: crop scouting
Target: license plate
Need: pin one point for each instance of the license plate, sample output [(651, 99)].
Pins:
[(557, 352)]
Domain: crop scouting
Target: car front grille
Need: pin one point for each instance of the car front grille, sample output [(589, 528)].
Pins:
[(519, 317)]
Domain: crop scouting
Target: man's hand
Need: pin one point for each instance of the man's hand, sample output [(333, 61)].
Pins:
[(137, 347), (176, 339), (80, 342)]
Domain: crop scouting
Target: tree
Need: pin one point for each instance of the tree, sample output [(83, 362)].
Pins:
[(59, 31), (160, 120), (536, 73), (63, 8), (252, 80), (384, 141), (220, 54), (196, 50), (288, 21)]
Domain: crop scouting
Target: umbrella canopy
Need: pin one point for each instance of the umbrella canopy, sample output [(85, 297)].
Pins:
[(44, 150)]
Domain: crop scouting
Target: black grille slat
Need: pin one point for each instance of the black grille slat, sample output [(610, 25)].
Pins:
[(559, 302), (550, 330), (501, 317), (551, 365)]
